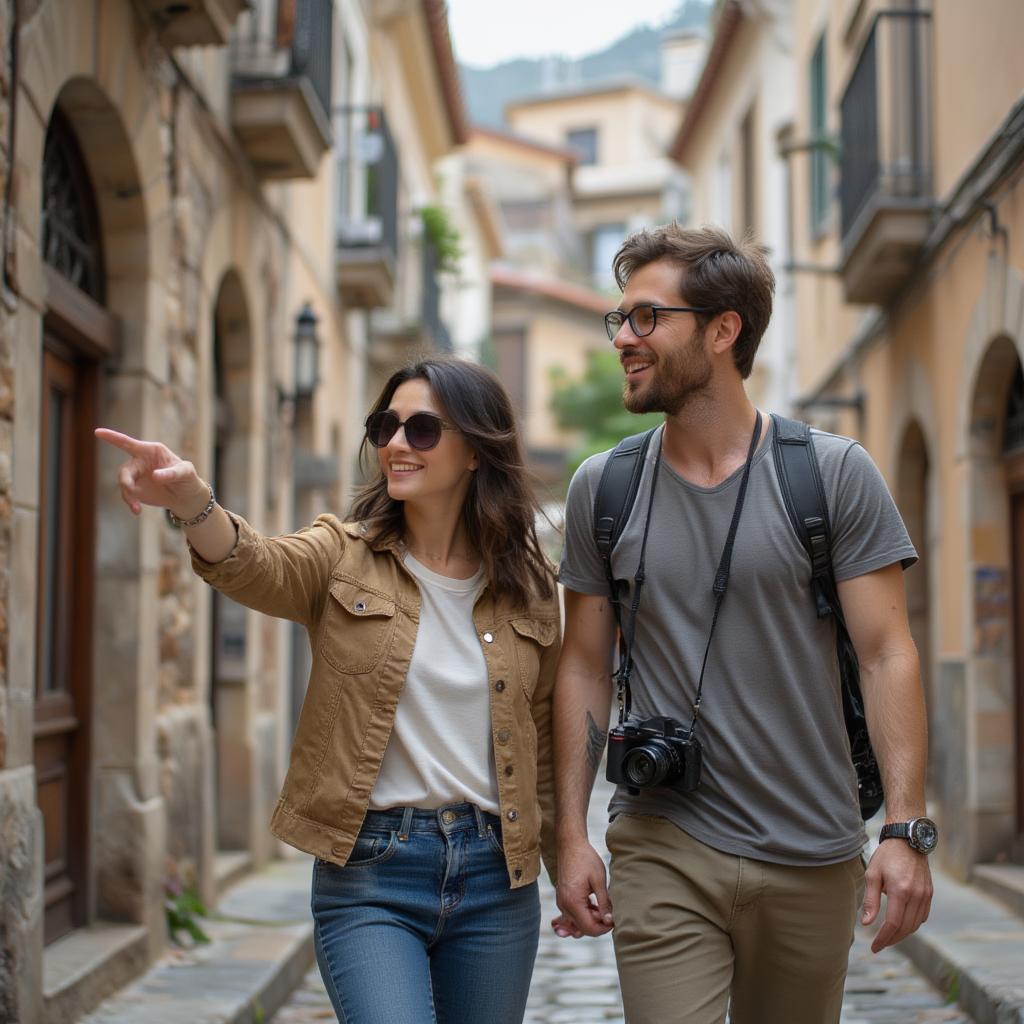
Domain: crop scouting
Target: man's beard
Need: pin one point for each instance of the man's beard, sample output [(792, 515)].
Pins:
[(676, 378)]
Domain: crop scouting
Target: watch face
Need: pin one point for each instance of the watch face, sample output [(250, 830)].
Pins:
[(924, 835)]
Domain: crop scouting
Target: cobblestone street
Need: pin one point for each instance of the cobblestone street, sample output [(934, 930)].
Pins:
[(574, 982)]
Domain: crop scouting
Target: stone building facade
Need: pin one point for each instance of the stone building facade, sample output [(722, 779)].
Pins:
[(189, 191), (907, 197)]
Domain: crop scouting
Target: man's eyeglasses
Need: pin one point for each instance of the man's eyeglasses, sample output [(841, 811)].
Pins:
[(644, 318), (422, 429)]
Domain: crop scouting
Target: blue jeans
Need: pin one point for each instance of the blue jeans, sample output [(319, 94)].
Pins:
[(421, 925)]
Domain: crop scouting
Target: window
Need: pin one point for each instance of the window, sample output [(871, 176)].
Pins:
[(604, 244), (584, 142), (820, 198)]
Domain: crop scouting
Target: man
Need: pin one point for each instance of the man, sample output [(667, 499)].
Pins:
[(745, 889)]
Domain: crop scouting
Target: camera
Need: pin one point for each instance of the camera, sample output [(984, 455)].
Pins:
[(653, 752)]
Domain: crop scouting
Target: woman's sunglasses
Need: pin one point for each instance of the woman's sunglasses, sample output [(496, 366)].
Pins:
[(422, 429)]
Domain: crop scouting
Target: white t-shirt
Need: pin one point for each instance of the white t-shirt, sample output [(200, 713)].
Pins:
[(440, 749)]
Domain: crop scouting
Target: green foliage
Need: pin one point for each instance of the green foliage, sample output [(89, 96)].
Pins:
[(182, 908), (593, 404), (953, 987), (488, 354), (438, 228), (830, 146)]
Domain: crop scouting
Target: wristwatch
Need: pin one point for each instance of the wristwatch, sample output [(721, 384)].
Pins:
[(921, 833)]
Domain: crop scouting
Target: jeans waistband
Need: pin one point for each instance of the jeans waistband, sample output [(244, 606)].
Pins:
[(449, 818)]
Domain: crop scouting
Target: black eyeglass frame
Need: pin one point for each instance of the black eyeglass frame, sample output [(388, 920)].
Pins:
[(655, 310), (433, 417)]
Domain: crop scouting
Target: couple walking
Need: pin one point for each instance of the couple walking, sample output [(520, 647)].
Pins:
[(450, 735)]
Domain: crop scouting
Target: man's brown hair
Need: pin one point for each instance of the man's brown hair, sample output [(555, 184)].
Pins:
[(715, 272)]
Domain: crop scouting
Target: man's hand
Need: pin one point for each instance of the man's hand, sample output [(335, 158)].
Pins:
[(904, 876), (582, 895)]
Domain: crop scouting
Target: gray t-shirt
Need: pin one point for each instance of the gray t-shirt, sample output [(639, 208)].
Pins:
[(777, 783)]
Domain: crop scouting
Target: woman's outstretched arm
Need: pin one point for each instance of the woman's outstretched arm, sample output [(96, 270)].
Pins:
[(154, 475)]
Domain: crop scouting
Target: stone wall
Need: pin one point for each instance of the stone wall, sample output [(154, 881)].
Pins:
[(21, 886)]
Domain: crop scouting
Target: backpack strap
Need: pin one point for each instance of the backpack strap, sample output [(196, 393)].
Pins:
[(804, 497), (796, 466), (616, 493)]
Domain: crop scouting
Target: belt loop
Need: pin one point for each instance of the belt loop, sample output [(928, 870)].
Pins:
[(403, 829), (481, 828)]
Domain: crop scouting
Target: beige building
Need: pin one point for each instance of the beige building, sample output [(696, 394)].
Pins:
[(728, 142), (620, 131), (530, 184), (211, 236), (417, 92), (907, 161), (572, 175), (544, 328)]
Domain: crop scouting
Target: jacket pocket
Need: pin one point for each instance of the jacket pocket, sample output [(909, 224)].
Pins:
[(531, 637), (357, 628)]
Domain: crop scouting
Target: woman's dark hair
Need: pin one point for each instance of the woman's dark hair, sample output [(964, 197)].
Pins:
[(500, 509)]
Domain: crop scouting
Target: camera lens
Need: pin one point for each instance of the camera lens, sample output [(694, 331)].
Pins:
[(649, 764)]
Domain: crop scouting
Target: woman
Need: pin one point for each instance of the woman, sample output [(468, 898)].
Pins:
[(422, 756)]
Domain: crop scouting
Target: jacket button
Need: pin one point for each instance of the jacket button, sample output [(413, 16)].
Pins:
[(512, 815), (504, 735), (509, 769), (489, 638), (360, 606), (338, 851), (500, 685), (518, 872)]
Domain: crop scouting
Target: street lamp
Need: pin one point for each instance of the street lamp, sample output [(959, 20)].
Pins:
[(307, 353)]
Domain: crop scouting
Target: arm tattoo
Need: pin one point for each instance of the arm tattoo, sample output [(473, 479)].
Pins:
[(595, 744)]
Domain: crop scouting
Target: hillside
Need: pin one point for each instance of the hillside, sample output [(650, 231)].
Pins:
[(488, 90)]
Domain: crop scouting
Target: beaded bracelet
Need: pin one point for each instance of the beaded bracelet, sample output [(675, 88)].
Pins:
[(195, 520)]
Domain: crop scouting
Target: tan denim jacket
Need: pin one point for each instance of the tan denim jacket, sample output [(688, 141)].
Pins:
[(361, 607)]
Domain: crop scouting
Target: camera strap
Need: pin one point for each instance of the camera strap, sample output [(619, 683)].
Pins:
[(719, 587)]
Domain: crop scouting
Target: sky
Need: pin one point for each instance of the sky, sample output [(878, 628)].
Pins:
[(487, 32)]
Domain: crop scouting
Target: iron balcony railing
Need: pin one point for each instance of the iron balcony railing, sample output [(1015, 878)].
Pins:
[(295, 43), (367, 164), (886, 116), (431, 308)]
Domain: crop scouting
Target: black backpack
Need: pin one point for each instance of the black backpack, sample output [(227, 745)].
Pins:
[(797, 468)]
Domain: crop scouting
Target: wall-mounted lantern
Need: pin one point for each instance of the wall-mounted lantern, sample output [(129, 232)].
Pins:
[(306, 366), (307, 353)]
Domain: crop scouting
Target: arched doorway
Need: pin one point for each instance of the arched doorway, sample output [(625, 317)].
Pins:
[(230, 657), (912, 497), (1013, 454), (77, 339), (992, 695)]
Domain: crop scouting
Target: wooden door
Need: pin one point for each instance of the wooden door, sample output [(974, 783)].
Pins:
[(63, 650)]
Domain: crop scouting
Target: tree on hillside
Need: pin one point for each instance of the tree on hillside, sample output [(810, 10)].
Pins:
[(593, 405)]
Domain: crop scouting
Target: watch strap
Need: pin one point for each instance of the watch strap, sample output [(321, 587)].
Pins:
[(895, 830)]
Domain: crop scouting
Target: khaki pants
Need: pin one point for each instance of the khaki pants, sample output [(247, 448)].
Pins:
[(695, 926)]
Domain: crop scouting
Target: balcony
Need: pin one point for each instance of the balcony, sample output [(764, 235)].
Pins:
[(194, 22), (366, 251), (400, 335), (281, 89), (885, 163)]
